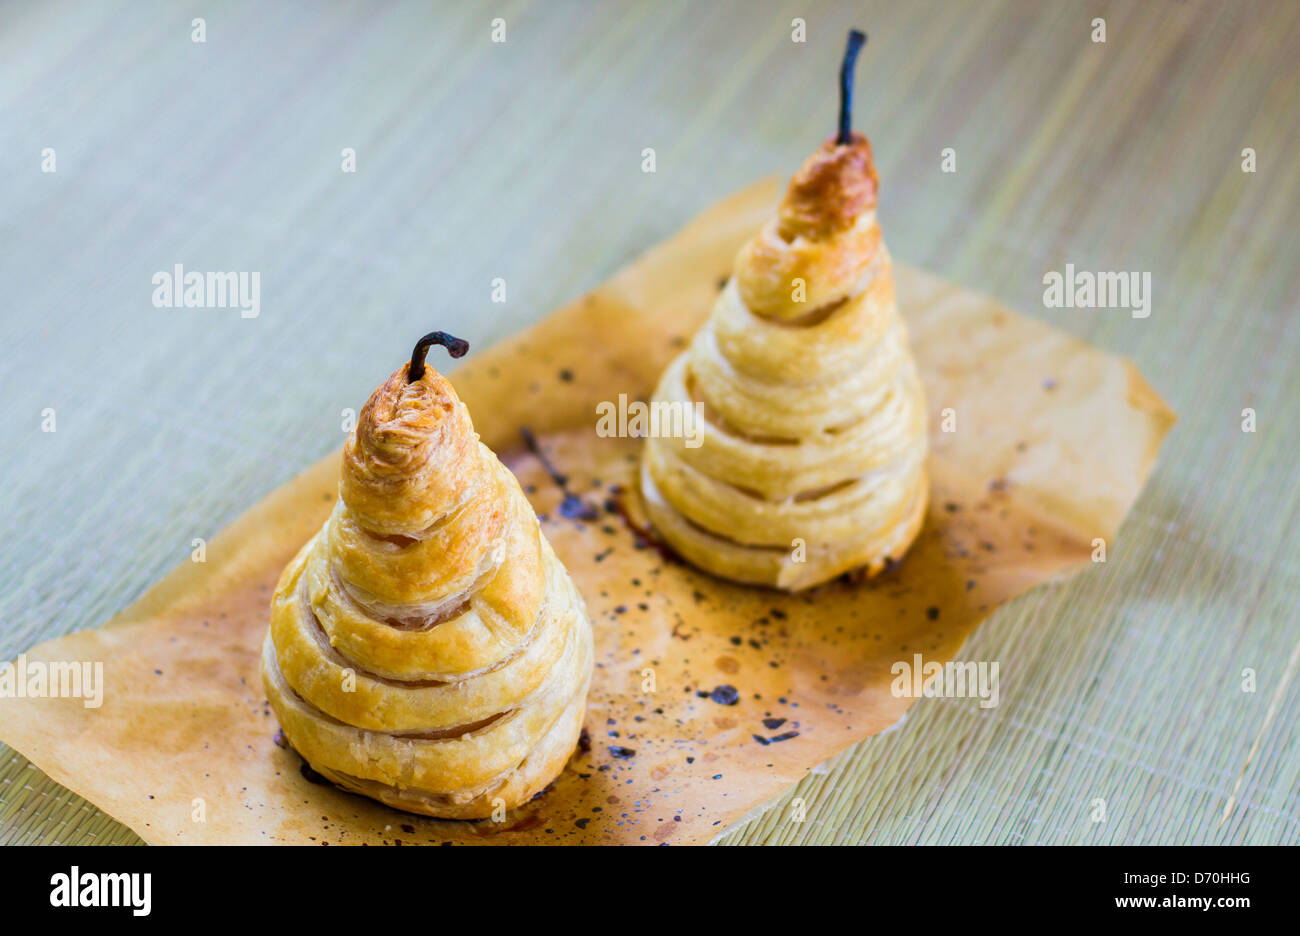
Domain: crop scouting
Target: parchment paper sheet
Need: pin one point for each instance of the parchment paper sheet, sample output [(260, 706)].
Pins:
[(1053, 441)]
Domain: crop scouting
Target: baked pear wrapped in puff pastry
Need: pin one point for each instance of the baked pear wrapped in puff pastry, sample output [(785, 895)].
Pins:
[(427, 648), (811, 458)]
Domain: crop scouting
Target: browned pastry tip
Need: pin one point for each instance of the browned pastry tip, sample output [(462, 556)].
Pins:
[(409, 433), (833, 187)]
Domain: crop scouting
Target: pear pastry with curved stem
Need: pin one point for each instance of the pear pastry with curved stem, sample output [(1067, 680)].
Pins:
[(427, 648), (811, 460)]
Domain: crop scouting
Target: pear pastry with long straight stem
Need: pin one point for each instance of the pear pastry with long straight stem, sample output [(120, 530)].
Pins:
[(427, 648), (811, 460)]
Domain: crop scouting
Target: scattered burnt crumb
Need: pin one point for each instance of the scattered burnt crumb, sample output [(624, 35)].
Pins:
[(642, 537), (778, 614), (575, 508), (622, 753), (535, 821), (785, 737), (280, 740), (970, 583), (408, 828), (771, 724), (157, 672), (725, 695), (584, 740), (311, 776), (602, 556), (891, 564), (999, 484), (1049, 384), (987, 546), (952, 507), (737, 641), (932, 613), (621, 609), (723, 280), (566, 375), (582, 823), (761, 740)]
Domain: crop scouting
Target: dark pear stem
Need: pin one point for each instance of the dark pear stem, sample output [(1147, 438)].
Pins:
[(856, 41), (456, 347)]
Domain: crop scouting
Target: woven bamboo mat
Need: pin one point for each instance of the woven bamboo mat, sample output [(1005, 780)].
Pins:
[(522, 160)]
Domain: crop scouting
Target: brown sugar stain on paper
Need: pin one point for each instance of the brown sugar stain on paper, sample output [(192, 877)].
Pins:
[(752, 688)]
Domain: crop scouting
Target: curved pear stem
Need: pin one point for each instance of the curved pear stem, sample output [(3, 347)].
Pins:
[(456, 347), (856, 41)]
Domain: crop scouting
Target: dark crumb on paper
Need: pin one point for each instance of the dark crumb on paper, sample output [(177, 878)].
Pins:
[(280, 740), (932, 613), (584, 740), (642, 537), (622, 753), (1049, 384), (761, 740), (785, 737), (725, 695), (723, 280), (575, 508), (311, 776), (566, 375), (771, 724)]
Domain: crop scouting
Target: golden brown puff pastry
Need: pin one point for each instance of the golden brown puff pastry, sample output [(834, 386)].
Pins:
[(427, 648), (811, 458)]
